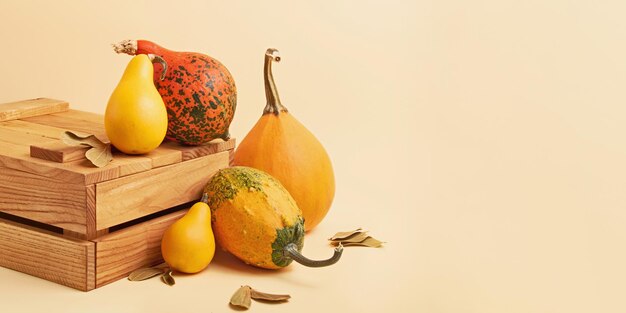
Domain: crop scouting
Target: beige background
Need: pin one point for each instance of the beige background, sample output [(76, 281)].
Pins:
[(483, 140)]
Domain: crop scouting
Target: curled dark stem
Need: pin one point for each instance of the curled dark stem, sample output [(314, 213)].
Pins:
[(291, 250)]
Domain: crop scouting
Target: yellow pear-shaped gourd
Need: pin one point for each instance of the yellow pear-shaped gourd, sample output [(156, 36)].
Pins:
[(188, 245), (136, 119), (281, 146)]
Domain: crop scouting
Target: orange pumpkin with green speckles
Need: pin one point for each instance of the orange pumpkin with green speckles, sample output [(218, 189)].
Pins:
[(198, 91), (257, 220)]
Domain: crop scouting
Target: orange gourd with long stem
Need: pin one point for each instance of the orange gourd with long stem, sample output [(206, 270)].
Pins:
[(281, 146)]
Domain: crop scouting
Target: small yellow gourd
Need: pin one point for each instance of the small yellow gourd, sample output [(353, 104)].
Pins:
[(136, 119), (188, 245), (281, 146)]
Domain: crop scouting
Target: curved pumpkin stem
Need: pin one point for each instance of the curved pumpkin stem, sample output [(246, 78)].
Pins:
[(271, 93), (156, 58), (291, 250)]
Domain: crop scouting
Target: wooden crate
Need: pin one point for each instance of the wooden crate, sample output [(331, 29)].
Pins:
[(67, 221)]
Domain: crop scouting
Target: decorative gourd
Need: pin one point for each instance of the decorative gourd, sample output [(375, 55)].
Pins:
[(188, 245), (198, 91), (284, 148), (256, 219), (135, 119)]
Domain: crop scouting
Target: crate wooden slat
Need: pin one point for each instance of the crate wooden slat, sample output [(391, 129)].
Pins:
[(47, 255), (82, 264), (58, 152), (165, 156), (33, 128), (130, 197), (18, 157), (192, 152), (81, 115), (55, 206), (66, 120), (19, 138), (54, 202), (33, 107)]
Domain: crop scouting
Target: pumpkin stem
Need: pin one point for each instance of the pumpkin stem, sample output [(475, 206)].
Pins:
[(291, 250), (126, 46), (271, 93), (156, 58), (205, 198)]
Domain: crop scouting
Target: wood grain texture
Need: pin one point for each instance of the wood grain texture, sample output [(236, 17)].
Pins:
[(131, 164), (164, 156), (90, 212), (90, 205), (192, 152), (22, 138), (90, 173), (81, 236), (45, 254), (126, 250), (57, 151), (81, 172), (43, 199), (41, 138), (33, 107), (83, 264), (82, 115), (91, 267), (18, 157), (91, 123), (33, 128), (134, 196), (60, 120)]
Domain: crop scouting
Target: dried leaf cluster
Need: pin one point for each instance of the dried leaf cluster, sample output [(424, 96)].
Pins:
[(149, 272), (100, 153), (357, 237), (242, 297), (145, 273)]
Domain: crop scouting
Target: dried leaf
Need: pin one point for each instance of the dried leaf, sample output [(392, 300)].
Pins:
[(241, 297), (144, 273), (76, 139), (167, 278), (358, 237), (368, 242), (257, 295), (346, 234), (100, 153), (100, 156)]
